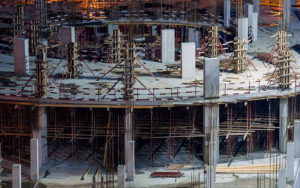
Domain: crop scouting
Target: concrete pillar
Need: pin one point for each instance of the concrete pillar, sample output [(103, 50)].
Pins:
[(21, 56), (194, 36), (131, 162), (293, 2), (37, 135), (168, 46), (121, 176), (243, 29), (210, 122), (287, 13), (257, 6), (129, 146), (210, 176), (16, 176), (283, 110), (248, 14), (42, 123), (226, 13), (111, 28), (34, 159), (282, 178), (188, 61), (290, 161), (211, 77), (68, 34), (154, 30), (297, 139), (254, 25)]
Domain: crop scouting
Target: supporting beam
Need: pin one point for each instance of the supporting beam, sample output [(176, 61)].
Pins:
[(34, 159), (16, 176), (283, 111)]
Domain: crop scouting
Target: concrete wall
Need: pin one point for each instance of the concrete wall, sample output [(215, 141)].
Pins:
[(211, 77), (226, 13), (16, 176), (34, 159), (188, 61), (168, 46), (68, 34), (21, 56)]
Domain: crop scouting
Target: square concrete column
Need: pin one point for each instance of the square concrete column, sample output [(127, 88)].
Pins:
[(287, 14), (42, 123), (167, 46), (130, 166), (21, 56), (121, 176), (243, 29), (111, 28), (282, 178), (254, 25), (297, 139), (283, 110), (293, 2), (226, 13), (16, 176), (154, 30), (290, 162), (37, 135), (211, 77), (68, 34), (257, 6), (210, 176), (34, 159), (248, 14), (194, 36), (188, 61), (210, 122)]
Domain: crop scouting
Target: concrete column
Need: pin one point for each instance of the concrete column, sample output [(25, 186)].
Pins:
[(34, 159), (188, 61), (129, 146), (210, 176), (290, 162), (297, 139), (243, 29), (121, 176), (42, 123), (257, 6), (211, 77), (226, 13), (168, 46), (194, 36), (254, 25), (282, 178), (21, 56), (248, 14), (293, 2), (210, 122), (154, 30), (287, 13), (68, 34), (111, 28), (37, 135), (16, 176), (283, 110)]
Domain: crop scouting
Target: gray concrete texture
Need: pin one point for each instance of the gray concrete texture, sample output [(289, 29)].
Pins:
[(111, 28), (34, 159), (188, 61), (194, 36), (211, 77), (42, 123), (21, 56), (297, 139), (282, 178), (290, 162), (283, 110), (130, 166), (226, 13), (121, 176), (37, 135), (16, 176), (167, 46), (69, 35)]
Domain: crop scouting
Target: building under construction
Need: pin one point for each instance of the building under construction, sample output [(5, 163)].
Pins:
[(149, 93)]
